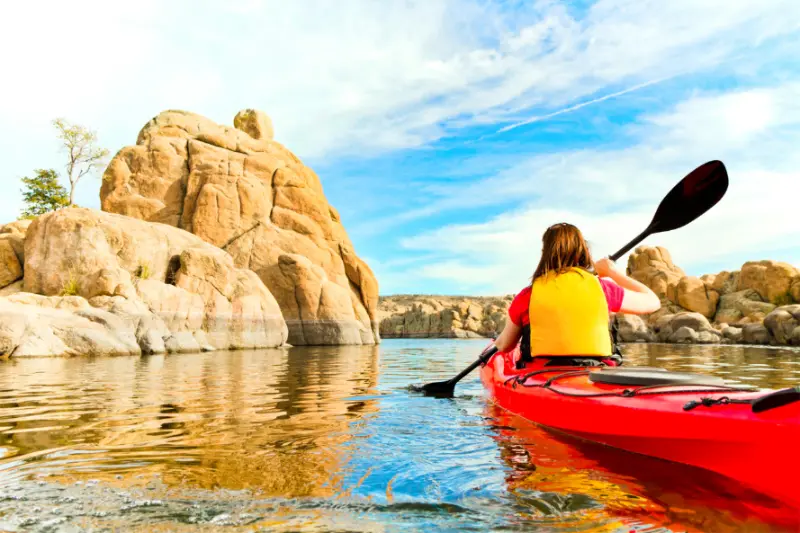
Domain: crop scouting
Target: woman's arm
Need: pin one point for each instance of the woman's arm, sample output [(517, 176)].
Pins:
[(638, 298), (509, 337)]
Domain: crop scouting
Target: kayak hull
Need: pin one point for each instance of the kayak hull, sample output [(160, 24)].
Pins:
[(756, 449)]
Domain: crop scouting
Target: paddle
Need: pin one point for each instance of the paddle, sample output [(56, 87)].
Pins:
[(695, 194)]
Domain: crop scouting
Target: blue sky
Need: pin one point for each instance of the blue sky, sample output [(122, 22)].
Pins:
[(448, 134)]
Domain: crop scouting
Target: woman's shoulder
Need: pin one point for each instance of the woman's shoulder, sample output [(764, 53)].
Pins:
[(518, 310), (523, 294)]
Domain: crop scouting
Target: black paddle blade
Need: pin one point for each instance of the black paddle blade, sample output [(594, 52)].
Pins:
[(695, 194), (439, 389), (691, 197), (445, 389), (776, 399)]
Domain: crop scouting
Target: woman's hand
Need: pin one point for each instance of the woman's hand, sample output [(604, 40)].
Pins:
[(638, 298), (606, 268)]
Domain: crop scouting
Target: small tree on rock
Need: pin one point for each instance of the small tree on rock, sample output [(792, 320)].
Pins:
[(83, 153), (43, 193)]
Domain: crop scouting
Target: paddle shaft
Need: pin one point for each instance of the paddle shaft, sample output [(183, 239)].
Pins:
[(639, 238), (485, 356)]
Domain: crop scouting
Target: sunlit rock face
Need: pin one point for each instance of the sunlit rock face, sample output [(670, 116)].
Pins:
[(238, 189)]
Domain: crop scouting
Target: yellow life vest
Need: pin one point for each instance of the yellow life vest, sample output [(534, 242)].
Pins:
[(569, 315)]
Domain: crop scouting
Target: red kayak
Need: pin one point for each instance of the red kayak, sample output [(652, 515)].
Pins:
[(630, 491), (692, 419)]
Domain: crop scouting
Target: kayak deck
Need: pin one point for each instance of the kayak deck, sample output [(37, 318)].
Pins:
[(757, 449)]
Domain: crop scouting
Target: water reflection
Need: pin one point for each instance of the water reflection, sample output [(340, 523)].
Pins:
[(272, 421), (771, 368), (604, 489)]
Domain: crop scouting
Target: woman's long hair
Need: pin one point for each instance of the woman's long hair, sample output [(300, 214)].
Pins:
[(563, 247)]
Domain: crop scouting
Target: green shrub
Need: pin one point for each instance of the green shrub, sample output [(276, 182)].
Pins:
[(70, 287), (143, 272)]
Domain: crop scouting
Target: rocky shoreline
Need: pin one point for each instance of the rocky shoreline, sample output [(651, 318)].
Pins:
[(428, 316), (757, 304), (209, 238)]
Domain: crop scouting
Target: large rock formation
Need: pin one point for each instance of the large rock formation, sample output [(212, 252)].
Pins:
[(631, 328), (245, 193), (724, 283), (106, 284), (686, 327), (442, 316), (743, 305)]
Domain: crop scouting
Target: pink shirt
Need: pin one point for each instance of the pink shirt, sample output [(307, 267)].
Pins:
[(518, 311)]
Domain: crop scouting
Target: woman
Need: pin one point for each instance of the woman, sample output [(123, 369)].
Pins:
[(565, 311)]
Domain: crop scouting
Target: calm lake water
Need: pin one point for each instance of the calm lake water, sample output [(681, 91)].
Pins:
[(330, 439)]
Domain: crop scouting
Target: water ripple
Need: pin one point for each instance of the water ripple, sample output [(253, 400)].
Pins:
[(329, 439)]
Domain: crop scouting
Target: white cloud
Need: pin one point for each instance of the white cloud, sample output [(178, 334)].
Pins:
[(612, 194), (751, 129), (346, 75)]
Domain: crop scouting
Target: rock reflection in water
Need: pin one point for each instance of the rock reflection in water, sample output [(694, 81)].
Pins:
[(771, 368), (272, 421)]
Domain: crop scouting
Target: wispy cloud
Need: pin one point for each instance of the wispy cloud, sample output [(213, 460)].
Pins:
[(612, 194)]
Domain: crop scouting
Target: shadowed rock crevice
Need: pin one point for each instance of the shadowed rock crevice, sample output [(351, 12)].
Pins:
[(241, 235), (172, 269), (183, 183), (274, 192), (297, 334)]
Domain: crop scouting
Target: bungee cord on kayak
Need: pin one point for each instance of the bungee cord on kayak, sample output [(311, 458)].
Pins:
[(710, 402)]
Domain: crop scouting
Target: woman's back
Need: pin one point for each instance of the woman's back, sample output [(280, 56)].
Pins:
[(568, 315)]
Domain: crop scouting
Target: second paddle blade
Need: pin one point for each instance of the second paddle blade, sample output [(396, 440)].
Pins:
[(439, 389)]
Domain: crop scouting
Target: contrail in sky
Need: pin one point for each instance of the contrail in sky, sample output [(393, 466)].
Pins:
[(582, 104)]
